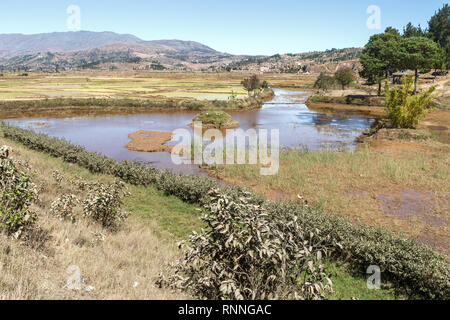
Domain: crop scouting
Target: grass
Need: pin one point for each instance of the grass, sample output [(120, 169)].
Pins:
[(135, 254), (397, 185), (218, 119)]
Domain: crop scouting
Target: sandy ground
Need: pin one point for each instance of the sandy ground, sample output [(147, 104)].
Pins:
[(150, 141)]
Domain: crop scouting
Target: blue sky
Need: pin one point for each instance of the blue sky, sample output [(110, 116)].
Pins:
[(235, 26)]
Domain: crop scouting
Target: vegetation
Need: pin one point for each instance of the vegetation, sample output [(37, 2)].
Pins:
[(104, 203), (416, 49), (17, 193), (216, 119), (405, 110), (380, 57), (247, 254), (344, 77), (324, 82), (407, 263)]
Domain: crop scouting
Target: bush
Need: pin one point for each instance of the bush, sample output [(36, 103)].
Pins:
[(64, 207), (405, 109), (17, 193), (245, 253), (103, 204)]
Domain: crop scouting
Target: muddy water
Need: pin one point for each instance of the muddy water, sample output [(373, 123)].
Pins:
[(298, 127)]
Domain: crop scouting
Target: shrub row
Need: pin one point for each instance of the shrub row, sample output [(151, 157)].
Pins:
[(408, 264)]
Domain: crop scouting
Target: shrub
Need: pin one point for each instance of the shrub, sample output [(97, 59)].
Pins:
[(405, 109), (245, 253), (64, 207), (17, 193), (104, 202)]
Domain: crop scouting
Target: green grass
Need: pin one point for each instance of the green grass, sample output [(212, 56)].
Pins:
[(173, 216), (347, 285)]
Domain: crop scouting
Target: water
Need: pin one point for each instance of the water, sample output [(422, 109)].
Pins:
[(298, 126)]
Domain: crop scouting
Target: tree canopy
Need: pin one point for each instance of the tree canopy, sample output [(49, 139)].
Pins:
[(381, 56)]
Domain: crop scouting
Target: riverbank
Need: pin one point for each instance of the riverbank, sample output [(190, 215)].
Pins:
[(110, 269)]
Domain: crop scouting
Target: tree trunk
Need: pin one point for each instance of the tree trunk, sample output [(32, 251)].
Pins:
[(379, 88), (416, 77)]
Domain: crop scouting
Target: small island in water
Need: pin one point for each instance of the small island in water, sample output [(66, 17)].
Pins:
[(215, 120)]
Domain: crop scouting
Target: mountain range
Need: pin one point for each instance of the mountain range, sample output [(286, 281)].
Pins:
[(109, 50)]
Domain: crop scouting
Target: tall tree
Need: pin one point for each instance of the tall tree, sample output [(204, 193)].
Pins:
[(418, 53), (381, 56), (439, 28), (411, 31)]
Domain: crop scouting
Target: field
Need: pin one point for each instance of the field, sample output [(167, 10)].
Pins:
[(201, 86)]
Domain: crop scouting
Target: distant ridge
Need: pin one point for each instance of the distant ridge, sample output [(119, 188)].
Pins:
[(21, 44)]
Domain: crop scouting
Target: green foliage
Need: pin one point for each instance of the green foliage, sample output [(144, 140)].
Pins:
[(381, 56), (17, 193), (439, 26), (246, 253), (324, 82), (405, 110), (412, 31), (344, 77), (418, 53), (406, 263)]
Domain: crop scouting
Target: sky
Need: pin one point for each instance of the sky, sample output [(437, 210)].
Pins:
[(262, 27)]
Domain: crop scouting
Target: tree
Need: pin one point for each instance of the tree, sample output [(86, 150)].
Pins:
[(381, 56), (344, 77), (251, 84), (411, 31), (418, 53), (324, 82), (439, 26), (439, 29), (405, 110), (440, 60)]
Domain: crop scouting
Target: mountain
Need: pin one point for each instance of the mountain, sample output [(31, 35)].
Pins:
[(20, 44), (112, 51)]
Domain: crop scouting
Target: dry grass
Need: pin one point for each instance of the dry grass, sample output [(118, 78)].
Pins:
[(123, 265)]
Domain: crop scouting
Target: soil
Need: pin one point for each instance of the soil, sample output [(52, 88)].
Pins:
[(150, 141)]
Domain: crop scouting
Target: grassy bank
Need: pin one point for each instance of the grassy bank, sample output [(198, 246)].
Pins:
[(36, 269), (402, 261)]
